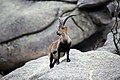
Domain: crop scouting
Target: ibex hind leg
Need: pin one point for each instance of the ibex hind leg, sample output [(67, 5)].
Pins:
[(57, 60), (51, 61), (52, 65)]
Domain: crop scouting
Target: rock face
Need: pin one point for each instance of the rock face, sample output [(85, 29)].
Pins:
[(92, 65), (112, 6), (101, 16), (1, 76), (69, 1), (100, 64), (92, 3), (29, 28), (32, 19), (103, 19), (109, 44)]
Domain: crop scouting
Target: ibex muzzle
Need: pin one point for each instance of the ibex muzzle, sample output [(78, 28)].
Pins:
[(62, 30)]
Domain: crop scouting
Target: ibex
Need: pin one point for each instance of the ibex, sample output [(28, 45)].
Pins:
[(61, 46)]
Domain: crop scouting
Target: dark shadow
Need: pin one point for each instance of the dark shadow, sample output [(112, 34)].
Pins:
[(3, 73), (71, 2), (90, 43)]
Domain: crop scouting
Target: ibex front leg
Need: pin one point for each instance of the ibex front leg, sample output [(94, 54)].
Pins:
[(68, 59), (58, 57)]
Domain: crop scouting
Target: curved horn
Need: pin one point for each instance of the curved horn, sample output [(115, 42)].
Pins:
[(60, 21), (67, 19)]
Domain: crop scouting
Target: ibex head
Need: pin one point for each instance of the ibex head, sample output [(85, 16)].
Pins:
[(62, 28)]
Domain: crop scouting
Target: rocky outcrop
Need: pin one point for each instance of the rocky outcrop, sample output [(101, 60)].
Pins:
[(67, 1), (112, 6), (70, 0), (27, 27), (93, 65), (100, 64), (21, 21), (109, 44), (92, 3), (100, 17), (1, 76)]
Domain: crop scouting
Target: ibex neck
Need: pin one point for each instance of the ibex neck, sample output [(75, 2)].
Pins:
[(65, 37)]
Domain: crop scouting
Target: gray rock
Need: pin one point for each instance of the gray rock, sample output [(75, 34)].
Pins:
[(112, 6), (1, 76), (70, 0), (109, 44), (114, 74), (14, 24), (67, 1), (20, 19), (98, 39), (100, 16), (32, 31), (92, 3), (93, 65)]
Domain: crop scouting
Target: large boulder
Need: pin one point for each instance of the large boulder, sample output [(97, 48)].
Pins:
[(109, 44), (93, 65), (100, 16), (100, 64), (24, 20), (92, 3), (112, 7), (27, 29), (103, 19)]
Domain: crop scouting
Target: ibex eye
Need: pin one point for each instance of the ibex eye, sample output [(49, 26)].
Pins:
[(62, 27)]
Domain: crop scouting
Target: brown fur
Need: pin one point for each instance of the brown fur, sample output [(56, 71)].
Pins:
[(61, 46), (58, 48)]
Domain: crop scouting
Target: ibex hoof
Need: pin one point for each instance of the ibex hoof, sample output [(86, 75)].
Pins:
[(58, 63), (51, 66), (68, 60)]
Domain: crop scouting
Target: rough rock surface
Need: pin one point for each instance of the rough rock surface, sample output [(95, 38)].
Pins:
[(69, 1), (92, 3), (98, 39), (112, 6), (92, 65), (26, 31), (101, 16), (1, 76), (33, 17), (27, 27), (100, 64), (109, 44)]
